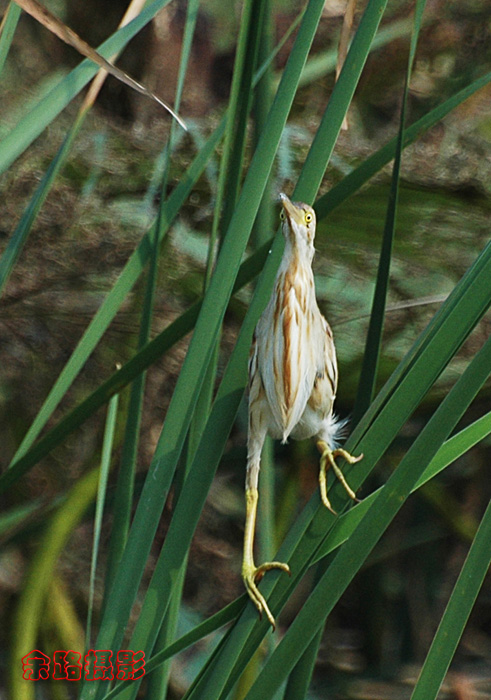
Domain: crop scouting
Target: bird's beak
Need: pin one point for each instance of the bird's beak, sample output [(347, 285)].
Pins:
[(291, 211)]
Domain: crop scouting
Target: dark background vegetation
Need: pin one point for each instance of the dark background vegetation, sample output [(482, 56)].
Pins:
[(381, 629)]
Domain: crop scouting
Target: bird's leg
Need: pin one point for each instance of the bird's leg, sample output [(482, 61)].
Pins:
[(252, 574), (328, 459)]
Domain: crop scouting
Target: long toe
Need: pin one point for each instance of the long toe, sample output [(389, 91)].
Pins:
[(258, 600), (267, 566), (346, 455), (251, 577), (328, 459)]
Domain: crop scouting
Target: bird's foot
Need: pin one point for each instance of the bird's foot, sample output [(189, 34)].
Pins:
[(251, 575), (328, 459)]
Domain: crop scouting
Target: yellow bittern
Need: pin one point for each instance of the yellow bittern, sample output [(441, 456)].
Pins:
[(292, 379)]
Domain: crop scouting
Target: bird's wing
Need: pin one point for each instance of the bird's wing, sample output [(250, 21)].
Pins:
[(323, 392), (329, 358)]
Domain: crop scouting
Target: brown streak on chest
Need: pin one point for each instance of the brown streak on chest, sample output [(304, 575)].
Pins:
[(295, 279), (290, 314), (276, 325), (287, 368)]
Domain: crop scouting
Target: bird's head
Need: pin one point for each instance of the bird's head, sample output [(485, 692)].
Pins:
[(298, 225)]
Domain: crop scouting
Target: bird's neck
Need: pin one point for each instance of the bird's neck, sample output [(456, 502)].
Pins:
[(297, 254)]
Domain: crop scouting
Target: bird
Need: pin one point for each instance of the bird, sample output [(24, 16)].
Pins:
[(293, 380)]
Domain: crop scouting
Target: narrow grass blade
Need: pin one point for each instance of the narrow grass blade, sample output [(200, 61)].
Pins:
[(324, 63), (241, 104), (387, 504), (262, 227), (19, 237), (29, 611), (157, 684), (456, 613), (107, 447), (123, 496), (262, 103), (232, 130), (325, 138), (300, 677), (133, 10), (13, 519), (164, 160), (60, 613), (208, 626), (199, 632), (369, 369), (7, 30), (264, 67), (457, 446)]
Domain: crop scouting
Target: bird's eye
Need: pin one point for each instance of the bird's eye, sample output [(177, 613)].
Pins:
[(282, 214), (308, 218)]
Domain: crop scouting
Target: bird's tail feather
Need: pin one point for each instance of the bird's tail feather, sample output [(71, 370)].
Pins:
[(335, 431)]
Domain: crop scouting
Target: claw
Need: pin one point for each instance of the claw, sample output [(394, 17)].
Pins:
[(251, 575), (329, 456)]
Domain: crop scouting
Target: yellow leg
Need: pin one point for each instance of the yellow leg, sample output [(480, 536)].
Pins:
[(328, 458), (252, 574)]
